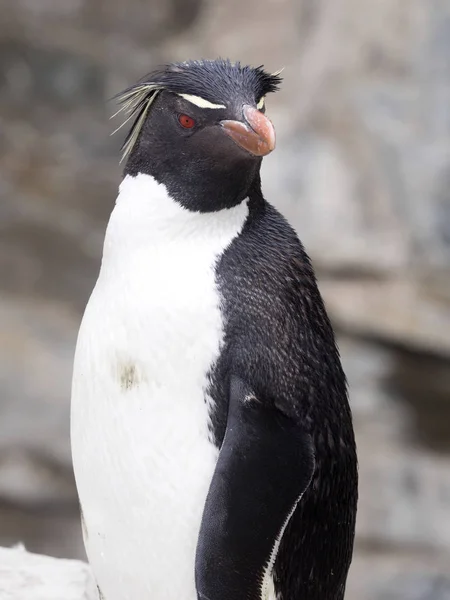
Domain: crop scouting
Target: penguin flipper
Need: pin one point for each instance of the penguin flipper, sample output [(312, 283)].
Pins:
[(265, 464)]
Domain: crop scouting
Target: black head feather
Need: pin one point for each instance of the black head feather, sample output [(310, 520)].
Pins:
[(218, 81)]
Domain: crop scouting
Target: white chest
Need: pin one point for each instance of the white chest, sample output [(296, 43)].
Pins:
[(151, 332)]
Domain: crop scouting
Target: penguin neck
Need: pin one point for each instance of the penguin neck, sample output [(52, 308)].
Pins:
[(147, 215), (198, 188)]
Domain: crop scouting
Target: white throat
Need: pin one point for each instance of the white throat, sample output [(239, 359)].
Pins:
[(145, 214)]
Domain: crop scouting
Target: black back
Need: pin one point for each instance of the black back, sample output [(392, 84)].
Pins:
[(279, 339)]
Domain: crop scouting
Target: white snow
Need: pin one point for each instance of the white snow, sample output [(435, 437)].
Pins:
[(27, 576)]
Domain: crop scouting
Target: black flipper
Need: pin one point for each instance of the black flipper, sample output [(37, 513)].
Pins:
[(265, 464)]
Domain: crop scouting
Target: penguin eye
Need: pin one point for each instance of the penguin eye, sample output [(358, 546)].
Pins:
[(186, 121)]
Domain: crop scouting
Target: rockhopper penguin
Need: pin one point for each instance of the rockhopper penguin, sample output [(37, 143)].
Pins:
[(212, 438)]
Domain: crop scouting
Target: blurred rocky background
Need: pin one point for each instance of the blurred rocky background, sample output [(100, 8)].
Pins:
[(362, 169)]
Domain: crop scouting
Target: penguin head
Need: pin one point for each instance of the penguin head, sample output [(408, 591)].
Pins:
[(200, 129)]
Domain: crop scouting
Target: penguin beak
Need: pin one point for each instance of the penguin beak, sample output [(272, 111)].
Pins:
[(256, 134)]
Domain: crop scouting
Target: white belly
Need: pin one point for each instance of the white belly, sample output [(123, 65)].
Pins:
[(142, 453)]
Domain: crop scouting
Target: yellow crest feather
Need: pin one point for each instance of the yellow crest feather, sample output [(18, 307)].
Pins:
[(136, 102)]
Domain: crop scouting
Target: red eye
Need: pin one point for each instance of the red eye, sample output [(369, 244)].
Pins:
[(186, 121)]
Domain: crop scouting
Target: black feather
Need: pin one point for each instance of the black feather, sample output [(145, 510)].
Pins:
[(218, 81), (215, 80)]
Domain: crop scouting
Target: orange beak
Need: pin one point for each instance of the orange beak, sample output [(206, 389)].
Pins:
[(256, 135)]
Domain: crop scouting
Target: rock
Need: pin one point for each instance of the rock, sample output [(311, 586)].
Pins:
[(37, 341), (401, 310), (390, 576), (26, 576), (415, 586), (404, 476), (38, 501)]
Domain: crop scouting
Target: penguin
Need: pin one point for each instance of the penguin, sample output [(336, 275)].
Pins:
[(212, 438)]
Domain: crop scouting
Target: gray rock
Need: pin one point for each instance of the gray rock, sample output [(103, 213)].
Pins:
[(401, 310), (419, 586), (392, 574)]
